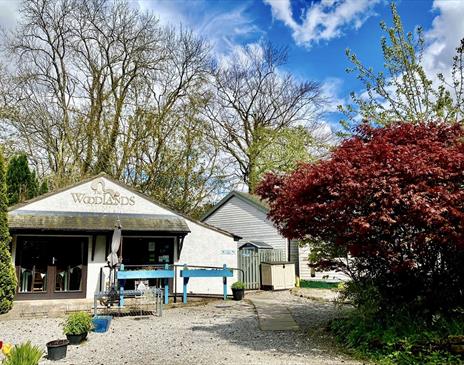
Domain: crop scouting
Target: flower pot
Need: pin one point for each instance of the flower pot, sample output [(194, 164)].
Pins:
[(76, 339), (57, 349), (238, 293)]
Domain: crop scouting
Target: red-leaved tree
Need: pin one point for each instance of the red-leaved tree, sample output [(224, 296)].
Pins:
[(393, 198)]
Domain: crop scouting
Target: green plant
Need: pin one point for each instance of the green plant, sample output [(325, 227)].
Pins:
[(317, 284), (238, 285), (7, 271), (23, 354), (399, 338), (78, 323)]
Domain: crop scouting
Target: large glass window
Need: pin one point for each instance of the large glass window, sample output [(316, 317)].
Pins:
[(147, 250), (48, 265)]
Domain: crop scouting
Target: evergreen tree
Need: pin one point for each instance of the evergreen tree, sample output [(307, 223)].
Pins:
[(7, 272), (21, 183), (43, 187), (33, 186)]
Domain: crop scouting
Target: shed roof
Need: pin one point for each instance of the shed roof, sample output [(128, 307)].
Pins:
[(257, 244), (76, 221), (248, 198)]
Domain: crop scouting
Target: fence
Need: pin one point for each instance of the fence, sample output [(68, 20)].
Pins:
[(250, 262)]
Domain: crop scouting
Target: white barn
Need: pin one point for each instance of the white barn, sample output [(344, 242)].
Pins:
[(61, 240)]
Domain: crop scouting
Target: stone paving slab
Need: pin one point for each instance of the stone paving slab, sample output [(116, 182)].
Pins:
[(273, 316)]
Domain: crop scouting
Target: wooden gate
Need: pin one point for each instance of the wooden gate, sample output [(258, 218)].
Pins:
[(250, 262)]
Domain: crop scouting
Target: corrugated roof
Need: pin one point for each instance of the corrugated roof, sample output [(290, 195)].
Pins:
[(246, 197), (72, 221)]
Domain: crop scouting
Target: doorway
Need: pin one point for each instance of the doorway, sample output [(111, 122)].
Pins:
[(51, 267)]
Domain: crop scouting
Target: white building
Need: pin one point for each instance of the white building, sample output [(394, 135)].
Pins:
[(245, 215), (61, 240)]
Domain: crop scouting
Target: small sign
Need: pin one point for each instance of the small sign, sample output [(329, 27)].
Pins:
[(228, 252), (163, 258)]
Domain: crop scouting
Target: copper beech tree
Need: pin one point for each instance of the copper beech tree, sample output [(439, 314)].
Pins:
[(393, 200)]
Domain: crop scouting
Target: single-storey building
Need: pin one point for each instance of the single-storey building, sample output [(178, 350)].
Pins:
[(245, 215), (61, 240)]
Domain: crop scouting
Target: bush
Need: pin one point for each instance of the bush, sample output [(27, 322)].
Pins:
[(78, 323), (23, 354), (399, 339), (391, 199), (7, 271), (238, 285)]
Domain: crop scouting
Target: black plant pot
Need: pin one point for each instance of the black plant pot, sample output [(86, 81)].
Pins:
[(57, 349), (76, 339), (238, 293)]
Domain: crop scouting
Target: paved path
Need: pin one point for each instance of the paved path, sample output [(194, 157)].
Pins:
[(273, 316)]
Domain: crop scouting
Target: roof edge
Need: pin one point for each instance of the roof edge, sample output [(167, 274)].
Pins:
[(125, 186), (237, 194)]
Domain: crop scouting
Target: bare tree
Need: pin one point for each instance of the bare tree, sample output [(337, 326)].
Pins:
[(102, 87), (254, 97)]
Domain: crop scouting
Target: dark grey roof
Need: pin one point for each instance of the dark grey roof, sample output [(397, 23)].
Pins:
[(72, 221), (246, 197), (257, 244)]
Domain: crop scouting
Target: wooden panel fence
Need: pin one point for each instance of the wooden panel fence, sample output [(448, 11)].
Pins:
[(250, 262)]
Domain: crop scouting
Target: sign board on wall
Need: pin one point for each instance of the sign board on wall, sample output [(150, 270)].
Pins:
[(100, 195)]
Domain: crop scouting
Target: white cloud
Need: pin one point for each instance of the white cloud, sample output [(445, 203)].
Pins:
[(223, 28), (323, 21), (331, 88), (443, 37)]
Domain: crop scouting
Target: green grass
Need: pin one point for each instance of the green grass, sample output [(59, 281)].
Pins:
[(316, 284)]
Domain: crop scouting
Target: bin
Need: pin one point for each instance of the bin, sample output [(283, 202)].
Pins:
[(277, 275), (101, 324)]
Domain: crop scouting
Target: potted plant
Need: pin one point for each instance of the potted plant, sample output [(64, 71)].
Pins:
[(77, 326), (238, 290), (23, 354), (57, 349)]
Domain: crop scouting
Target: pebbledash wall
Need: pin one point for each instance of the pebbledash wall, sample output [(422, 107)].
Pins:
[(101, 195)]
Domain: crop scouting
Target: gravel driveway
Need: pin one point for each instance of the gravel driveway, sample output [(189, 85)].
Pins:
[(216, 333)]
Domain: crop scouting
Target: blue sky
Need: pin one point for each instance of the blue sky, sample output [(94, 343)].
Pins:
[(318, 32), (315, 32)]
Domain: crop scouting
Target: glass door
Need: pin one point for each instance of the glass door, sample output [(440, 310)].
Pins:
[(33, 267), (51, 267)]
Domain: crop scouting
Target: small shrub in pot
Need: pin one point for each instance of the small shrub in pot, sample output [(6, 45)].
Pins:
[(238, 290), (77, 326)]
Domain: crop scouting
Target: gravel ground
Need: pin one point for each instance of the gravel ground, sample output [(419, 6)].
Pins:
[(216, 333)]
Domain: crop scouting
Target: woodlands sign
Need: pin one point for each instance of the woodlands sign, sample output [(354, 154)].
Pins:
[(102, 196)]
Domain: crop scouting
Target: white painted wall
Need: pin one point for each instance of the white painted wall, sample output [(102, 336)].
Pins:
[(248, 222), (64, 202), (305, 271), (208, 247), (93, 267)]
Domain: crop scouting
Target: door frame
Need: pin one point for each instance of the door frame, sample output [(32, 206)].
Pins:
[(51, 273)]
